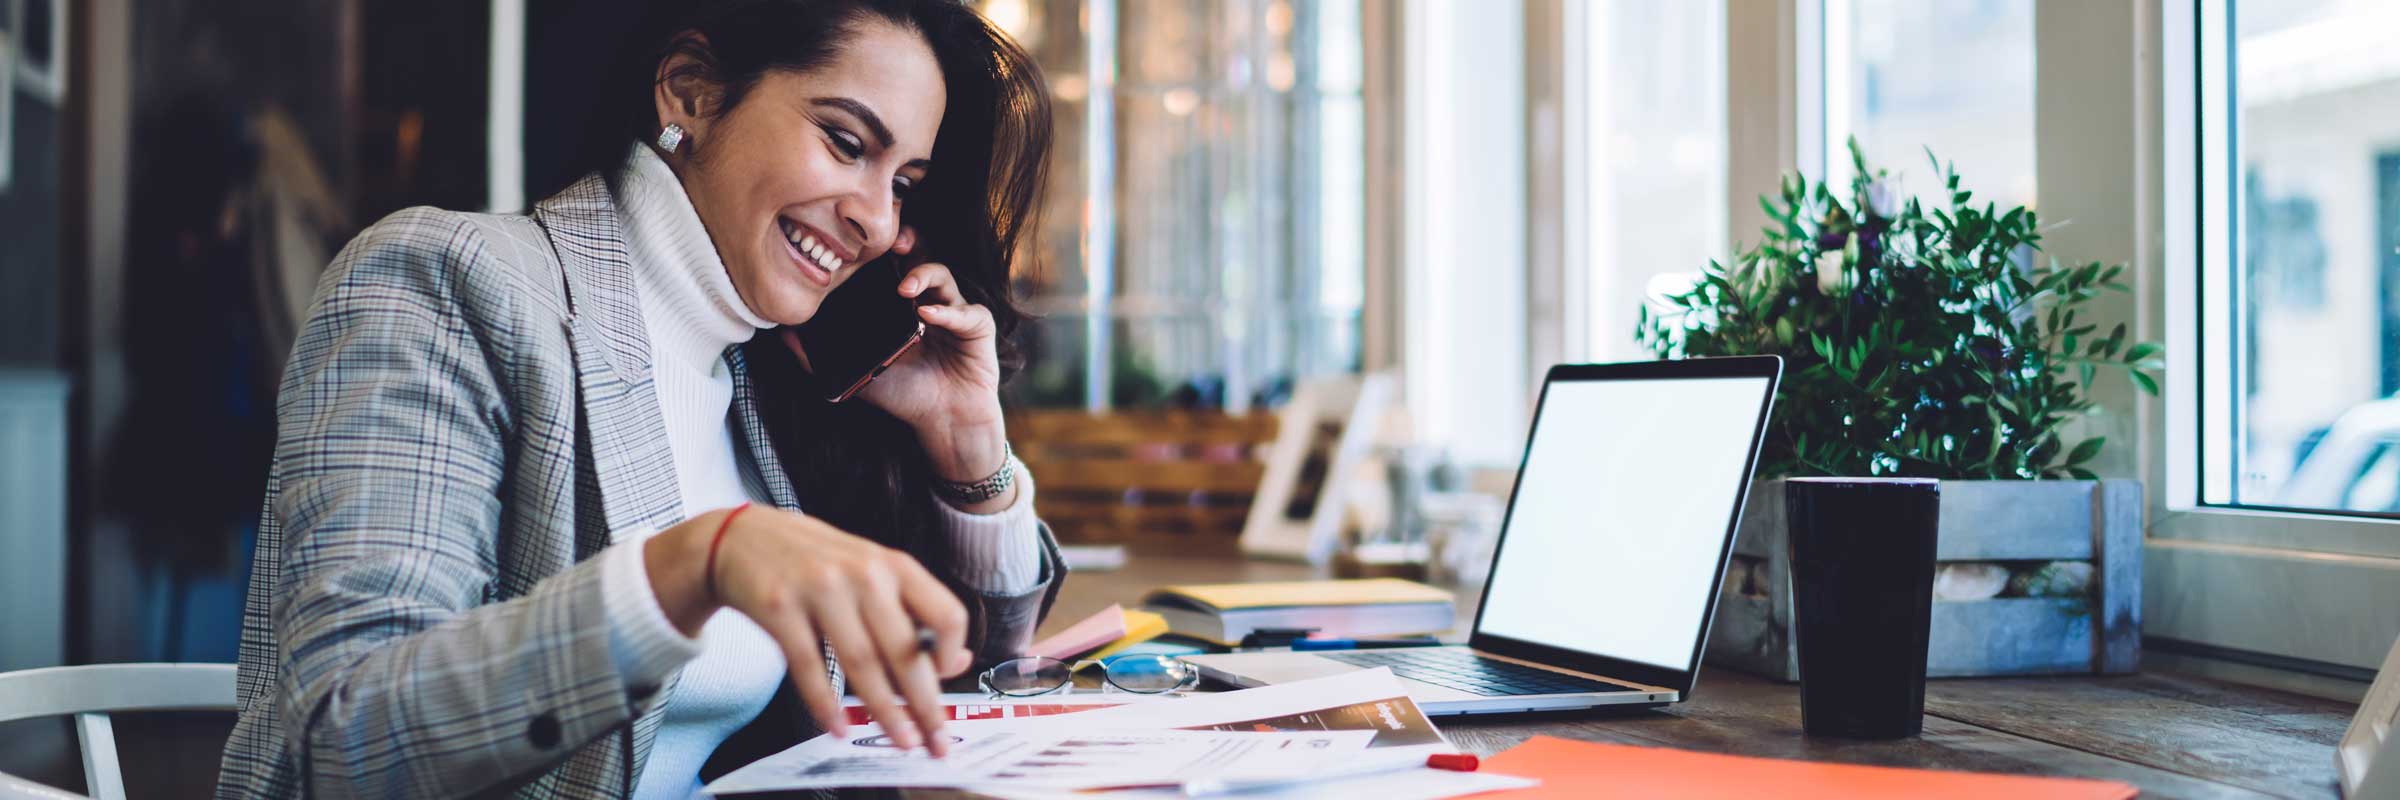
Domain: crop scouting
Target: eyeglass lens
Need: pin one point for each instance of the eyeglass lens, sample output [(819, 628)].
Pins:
[(1149, 674), (1022, 677), (1036, 675)]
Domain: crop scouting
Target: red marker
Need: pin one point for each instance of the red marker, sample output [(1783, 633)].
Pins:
[(1454, 762)]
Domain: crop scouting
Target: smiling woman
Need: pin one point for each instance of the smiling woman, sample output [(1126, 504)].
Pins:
[(510, 542)]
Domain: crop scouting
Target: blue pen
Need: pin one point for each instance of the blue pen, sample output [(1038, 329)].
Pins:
[(1363, 644)]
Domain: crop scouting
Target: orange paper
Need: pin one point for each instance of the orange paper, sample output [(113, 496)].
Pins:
[(1589, 769)]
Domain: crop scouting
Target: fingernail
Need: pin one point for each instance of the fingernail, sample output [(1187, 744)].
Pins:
[(909, 286)]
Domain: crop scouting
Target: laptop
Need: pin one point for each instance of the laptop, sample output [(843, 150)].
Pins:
[(1605, 576)]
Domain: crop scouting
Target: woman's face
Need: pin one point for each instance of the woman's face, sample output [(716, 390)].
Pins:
[(801, 183)]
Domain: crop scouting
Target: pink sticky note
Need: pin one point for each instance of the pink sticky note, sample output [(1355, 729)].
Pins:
[(1082, 637)]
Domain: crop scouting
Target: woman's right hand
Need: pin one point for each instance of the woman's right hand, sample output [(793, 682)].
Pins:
[(806, 582)]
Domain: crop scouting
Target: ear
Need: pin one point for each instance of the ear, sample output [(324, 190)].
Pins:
[(682, 92)]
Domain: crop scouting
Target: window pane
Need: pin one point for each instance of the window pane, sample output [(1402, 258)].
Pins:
[(1656, 207), (1952, 75), (1236, 143), (2317, 94)]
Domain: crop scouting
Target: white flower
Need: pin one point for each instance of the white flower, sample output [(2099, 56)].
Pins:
[(1832, 278), (1883, 197)]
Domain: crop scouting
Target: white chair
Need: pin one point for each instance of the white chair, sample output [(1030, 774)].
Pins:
[(91, 693)]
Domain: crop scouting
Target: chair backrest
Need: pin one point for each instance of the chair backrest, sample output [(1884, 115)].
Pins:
[(91, 693), (1158, 481)]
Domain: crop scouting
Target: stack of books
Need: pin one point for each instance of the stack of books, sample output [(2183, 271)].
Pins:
[(1224, 613)]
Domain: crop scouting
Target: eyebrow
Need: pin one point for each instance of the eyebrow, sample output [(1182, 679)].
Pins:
[(866, 116)]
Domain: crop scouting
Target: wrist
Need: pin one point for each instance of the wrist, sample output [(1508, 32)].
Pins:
[(677, 561), (965, 454)]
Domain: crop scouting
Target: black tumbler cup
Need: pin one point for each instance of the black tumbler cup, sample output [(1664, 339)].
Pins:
[(1862, 592)]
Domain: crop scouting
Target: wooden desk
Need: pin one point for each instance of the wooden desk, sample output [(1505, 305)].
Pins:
[(2172, 735)]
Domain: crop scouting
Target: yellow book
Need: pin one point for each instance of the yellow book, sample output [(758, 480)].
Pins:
[(1140, 626), (1225, 612)]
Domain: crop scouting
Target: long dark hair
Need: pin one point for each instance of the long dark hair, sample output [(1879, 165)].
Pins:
[(854, 465)]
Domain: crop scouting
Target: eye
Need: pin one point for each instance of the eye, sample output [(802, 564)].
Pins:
[(901, 186), (850, 146)]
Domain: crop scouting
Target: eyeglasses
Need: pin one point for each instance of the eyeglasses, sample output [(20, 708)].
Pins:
[(1030, 676)]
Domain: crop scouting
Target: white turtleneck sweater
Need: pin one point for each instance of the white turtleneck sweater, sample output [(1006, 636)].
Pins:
[(693, 314)]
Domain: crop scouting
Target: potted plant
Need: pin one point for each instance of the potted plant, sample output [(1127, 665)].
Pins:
[(1932, 342)]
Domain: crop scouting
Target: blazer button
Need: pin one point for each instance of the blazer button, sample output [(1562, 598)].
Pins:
[(543, 731)]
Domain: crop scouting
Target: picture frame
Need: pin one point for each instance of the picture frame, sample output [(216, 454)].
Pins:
[(1325, 434), (2368, 759)]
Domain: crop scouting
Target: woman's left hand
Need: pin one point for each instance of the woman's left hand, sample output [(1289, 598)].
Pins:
[(948, 386)]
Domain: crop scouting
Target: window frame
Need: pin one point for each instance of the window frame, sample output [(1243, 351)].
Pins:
[(2197, 440)]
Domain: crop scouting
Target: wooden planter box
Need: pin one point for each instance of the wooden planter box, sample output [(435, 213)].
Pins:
[(2015, 523)]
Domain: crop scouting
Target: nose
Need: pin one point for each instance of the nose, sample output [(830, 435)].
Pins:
[(872, 215)]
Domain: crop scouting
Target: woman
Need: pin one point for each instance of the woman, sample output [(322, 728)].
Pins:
[(534, 527)]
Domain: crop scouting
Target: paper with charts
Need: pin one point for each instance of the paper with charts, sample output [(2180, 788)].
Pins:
[(1049, 758), (1255, 731)]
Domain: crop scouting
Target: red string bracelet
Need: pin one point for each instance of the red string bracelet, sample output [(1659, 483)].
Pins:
[(722, 526)]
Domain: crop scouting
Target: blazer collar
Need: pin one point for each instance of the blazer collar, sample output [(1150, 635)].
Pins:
[(624, 427), (590, 240), (752, 438)]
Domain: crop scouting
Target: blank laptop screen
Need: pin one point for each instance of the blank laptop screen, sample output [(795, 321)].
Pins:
[(1620, 516)]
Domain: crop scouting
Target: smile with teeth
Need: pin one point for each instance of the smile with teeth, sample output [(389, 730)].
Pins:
[(807, 244)]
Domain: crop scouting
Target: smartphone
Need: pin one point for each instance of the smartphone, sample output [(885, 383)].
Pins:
[(859, 330)]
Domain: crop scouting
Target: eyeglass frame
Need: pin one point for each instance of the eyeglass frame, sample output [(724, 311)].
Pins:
[(1190, 679)]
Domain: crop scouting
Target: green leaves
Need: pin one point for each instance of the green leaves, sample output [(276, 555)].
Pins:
[(2085, 451), (1951, 347), (2143, 381)]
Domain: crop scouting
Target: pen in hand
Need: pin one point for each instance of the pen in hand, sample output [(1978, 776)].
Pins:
[(926, 639)]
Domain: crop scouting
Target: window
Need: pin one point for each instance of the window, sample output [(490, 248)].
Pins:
[(1204, 234), (1955, 76), (1654, 109), (2273, 458), (2301, 402)]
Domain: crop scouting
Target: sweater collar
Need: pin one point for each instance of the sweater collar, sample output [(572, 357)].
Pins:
[(687, 298)]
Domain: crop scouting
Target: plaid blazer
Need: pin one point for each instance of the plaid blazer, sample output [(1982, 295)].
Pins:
[(466, 419)]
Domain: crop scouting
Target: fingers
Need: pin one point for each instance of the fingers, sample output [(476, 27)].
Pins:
[(910, 670), (934, 280), (966, 322), (905, 241), (950, 311), (932, 605), (805, 656), (865, 602), (837, 613)]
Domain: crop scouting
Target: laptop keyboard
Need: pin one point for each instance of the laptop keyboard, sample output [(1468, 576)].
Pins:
[(1461, 669)]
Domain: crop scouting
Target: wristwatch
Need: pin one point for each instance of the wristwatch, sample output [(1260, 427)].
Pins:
[(972, 492)]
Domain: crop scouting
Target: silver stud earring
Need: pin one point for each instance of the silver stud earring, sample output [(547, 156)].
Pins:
[(670, 137)]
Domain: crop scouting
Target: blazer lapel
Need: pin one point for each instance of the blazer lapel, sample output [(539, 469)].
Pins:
[(752, 439), (631, 460)]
